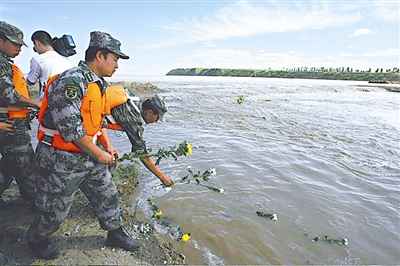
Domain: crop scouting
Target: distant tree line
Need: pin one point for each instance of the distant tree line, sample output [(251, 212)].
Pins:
[(342, 70), (340, 73)]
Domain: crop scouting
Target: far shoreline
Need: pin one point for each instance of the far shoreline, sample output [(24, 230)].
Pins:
[(392, 76)]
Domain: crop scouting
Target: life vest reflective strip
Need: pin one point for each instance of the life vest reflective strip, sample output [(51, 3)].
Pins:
[(21, 87)]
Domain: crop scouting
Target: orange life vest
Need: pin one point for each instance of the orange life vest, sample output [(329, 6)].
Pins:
[(115, 95), (21, 87), (94, 107)]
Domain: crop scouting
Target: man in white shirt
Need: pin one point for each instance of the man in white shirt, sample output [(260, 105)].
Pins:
[(47, 63)]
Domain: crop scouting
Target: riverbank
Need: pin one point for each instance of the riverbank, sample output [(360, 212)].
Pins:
[(320, 74), (80, 238)]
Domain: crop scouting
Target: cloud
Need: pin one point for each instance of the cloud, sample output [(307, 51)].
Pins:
[(243, 19), (359, 32), (388, 11), (261, 59)]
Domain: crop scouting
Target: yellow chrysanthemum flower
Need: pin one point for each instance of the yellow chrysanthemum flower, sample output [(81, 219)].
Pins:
[(157, 214), (189, 149), (186, 237)]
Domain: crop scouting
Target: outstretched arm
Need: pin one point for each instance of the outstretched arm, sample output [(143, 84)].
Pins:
[(151, 165), (131, 122)]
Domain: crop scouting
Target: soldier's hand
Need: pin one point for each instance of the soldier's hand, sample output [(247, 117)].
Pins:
[(106, 158), (7, 127), (37, 103), (112, 151), (167, 181)]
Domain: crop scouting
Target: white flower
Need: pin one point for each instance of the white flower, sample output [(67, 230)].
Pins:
[(274, 217), (221, 190), (345, 241), (213, 171)]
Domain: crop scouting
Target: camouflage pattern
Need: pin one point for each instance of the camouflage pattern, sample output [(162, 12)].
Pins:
[(17, 160), (104, 40), (131, 120), (15, 147), (12, 33), (65, 97), (8, 94), (62, 173)]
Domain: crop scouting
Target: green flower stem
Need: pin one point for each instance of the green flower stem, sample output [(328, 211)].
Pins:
[(183, 149), (197, 178), (216, 189)]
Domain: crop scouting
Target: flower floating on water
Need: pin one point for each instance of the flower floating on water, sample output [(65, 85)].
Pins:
[(185, 237), (174, 229), (200, 178), (341, 242), (157, 213), (240, 99), (272, 216)]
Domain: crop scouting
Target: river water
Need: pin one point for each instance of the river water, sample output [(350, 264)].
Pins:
[(323, 155)]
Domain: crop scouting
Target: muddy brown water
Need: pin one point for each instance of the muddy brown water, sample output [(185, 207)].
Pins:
[(323, 155)]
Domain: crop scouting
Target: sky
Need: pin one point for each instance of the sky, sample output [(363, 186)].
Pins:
[(162, 35)]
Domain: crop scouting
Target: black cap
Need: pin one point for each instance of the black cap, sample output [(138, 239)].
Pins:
[(12, 33), (106, 41), (159, 104)]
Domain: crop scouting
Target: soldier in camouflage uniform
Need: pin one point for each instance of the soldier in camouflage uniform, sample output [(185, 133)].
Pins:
[(130, 116), (62, 173), (15, 140)]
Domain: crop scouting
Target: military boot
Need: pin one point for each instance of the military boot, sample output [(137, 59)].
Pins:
[(120, 239), (44, 249)]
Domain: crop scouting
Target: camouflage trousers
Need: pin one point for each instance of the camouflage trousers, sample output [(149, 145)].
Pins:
[(60, 175), (17, 161)]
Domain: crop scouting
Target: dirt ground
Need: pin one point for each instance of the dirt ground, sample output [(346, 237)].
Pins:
[(80, 239)]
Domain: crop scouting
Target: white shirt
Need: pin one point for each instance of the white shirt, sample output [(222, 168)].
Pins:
[(46, 65)]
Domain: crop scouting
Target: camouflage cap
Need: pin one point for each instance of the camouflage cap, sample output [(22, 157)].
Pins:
[(12, 33), (104, 40), (159, 104)]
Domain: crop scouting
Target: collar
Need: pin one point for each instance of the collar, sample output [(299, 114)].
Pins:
[(90, 76), (4, 57)]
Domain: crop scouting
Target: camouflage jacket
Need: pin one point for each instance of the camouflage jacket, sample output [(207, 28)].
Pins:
[(65, 98), (8, 94), (129, 116)]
